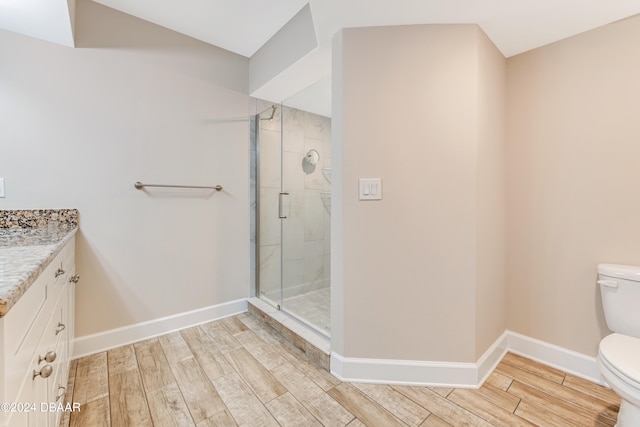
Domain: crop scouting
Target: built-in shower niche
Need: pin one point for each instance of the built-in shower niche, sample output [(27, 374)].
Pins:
[(293, 220)]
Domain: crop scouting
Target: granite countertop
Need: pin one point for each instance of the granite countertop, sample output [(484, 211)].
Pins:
[(25, 251)]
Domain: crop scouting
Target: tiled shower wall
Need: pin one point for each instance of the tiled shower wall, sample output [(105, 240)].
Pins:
[(304, 244)]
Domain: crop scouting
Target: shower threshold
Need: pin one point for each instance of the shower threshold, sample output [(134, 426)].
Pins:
[(315, 345)]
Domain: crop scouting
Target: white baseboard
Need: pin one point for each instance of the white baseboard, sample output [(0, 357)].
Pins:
[(95, 343), (422, 373), (570, 361), (353, 369), (463, 375), (490, 359), (405, 372)]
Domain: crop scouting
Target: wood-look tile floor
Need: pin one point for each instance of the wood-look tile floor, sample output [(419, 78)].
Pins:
[(239, 371)]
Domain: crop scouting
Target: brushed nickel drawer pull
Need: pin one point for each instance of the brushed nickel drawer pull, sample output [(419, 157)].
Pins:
[(49, 357), (74, 278), (61, 327), (45, 372), (59, 272), (64, 391)]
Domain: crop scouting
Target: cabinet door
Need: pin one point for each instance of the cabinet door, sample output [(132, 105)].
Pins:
[(28, 405), (21, 418)]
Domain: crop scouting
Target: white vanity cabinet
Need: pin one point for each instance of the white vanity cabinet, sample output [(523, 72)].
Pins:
[(37, 344)]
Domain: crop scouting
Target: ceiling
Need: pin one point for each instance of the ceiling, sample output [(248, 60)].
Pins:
[(243, 26)]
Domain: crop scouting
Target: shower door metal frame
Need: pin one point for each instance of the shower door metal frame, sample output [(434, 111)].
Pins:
[(257, 285), (256, 256)]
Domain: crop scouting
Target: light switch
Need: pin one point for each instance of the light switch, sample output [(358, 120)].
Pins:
[(370, 189), (1, 187)]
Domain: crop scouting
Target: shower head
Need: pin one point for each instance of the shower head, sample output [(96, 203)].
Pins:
[(273, 113)]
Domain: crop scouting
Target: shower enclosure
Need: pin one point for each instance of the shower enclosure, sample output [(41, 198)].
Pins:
[(292, 175)]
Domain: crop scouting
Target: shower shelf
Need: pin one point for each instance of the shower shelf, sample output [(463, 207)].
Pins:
[(326, 172)]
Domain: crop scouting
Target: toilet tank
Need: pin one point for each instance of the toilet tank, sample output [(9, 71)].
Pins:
[(620, 291)]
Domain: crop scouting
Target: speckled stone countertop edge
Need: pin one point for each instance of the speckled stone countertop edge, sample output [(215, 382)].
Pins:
[(38, 218), (18, 290)]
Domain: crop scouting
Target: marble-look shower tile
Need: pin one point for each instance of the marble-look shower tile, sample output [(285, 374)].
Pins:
[(313, 216), (293, 234), (325, 198), (269, 220), (313, 306), (293, 277), (270, 268), (327, 127), (292, 172), (327, 229), (326, 175), (313, 262), (327, 270), (315, 126), (269, 159), (296, 198), (293, 130), (326, 147)]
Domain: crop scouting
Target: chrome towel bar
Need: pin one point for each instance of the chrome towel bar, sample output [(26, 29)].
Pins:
[(138, 185)]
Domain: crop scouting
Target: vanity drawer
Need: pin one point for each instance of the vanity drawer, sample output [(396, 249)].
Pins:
[(45, 290), (18, 362), (20, 320)]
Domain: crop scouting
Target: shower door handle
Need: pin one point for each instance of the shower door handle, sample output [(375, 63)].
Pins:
[(283, 205)]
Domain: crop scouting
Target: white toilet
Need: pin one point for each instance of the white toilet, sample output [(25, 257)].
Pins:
[(619, 353)]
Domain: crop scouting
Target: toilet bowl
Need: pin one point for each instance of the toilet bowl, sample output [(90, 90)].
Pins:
[(619, 353), (619, 363)]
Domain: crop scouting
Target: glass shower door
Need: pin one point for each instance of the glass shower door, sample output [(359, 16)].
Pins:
[(293, 213), (293, 201), (305, 231)]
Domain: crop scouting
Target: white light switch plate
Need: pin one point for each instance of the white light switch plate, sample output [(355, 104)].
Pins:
[(1, 187), (370, 189)]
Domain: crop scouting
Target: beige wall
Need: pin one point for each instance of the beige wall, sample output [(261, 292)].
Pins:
[(406, 270), (491, 310), (133, 102), (572, 159)]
